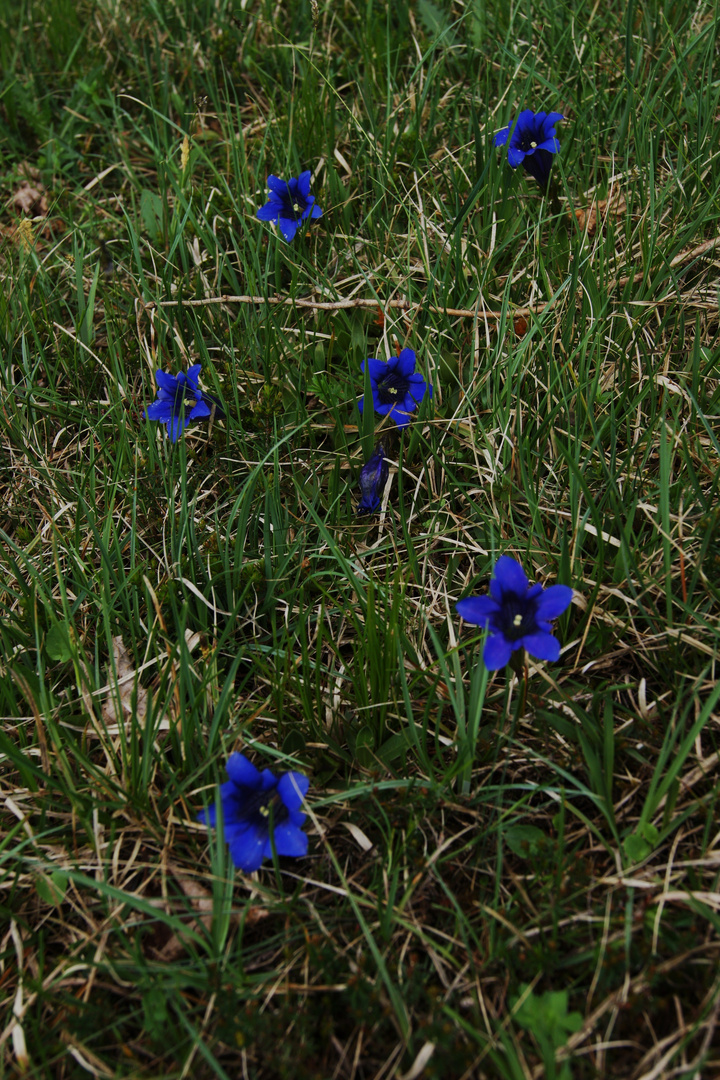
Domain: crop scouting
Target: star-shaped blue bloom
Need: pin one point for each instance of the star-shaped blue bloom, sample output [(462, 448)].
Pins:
[(532, 143), (179, 400), (373, 478), (290, 203), (397, 389), (259, 809), (517, 614)]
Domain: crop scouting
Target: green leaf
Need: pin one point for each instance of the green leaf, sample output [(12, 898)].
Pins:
[(525, 840), (155, 1011), (393, 747), (636, 847), (51, 889), (293, 743), (57, 642), (436, 22), (547, 1017), (151, 210), (364, 746), (650, 833)]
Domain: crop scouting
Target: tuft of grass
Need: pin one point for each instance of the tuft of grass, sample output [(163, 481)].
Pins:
[(506, 878)]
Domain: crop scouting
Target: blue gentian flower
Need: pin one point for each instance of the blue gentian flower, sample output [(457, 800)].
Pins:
[(532, 143), (373, 478), (290, 203), (180, 400), (253, 801), (517, 614), (397, 389)]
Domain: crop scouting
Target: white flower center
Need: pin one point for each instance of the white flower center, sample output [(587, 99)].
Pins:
[(533, 145), (517, 621), (297, 207)]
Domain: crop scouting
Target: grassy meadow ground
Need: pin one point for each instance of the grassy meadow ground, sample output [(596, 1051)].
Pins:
[(505, 878)]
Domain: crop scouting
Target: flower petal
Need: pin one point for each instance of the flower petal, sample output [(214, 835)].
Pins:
[(542, 646), (515, 157), (211, 400), (166, 381), (497, 652), (200, 409), (416, 391), (405, 362), (247, 848), (377, 368), (508, 576), (501, 137), (176, 425), (368, 503), (538, 165), (553, 601), (407, 405), (552, 119), (292, 788), (316, 211), (400, 416), (303, 183), (268, 780), (526, 119), (269, 212), (288, 227), (193, 374), (277, 186), (551, 145), (372, 480), (242, 772), (159, 410), (477, 610), (289, 840)]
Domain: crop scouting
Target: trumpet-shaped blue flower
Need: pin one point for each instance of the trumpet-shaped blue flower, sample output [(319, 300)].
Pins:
[(179, 400), (397, 388), (517, 614), (290, 203), (532, 143), (258, 810), (373, 478)]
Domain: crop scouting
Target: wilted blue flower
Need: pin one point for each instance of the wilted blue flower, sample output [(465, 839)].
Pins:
[(289, 204), (532, 143), (517, 614), (397, 389), (253, 803), (373, 478), (180, 400)]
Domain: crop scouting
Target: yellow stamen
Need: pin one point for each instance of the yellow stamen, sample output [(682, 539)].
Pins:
[(517, 621)]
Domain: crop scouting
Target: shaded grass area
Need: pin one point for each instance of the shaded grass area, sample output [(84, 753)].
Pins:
[(504, 879)]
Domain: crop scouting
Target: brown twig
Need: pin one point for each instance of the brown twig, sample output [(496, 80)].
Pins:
[(340, 305), (683, 257)]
